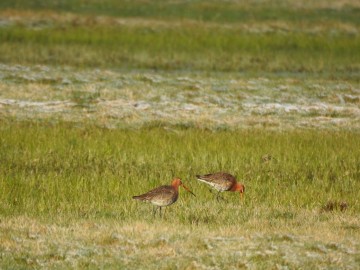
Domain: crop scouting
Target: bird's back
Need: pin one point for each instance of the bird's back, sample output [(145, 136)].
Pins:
[(161, 196), (221, 181)]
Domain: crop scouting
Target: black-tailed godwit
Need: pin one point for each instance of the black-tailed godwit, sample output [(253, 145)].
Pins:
[(222, 181), (163, 195)]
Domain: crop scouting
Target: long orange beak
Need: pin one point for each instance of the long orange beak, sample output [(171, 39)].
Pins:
[(188, 189)]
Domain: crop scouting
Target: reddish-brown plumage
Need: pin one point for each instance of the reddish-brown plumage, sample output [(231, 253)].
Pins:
[(163, 195), (222, 181)]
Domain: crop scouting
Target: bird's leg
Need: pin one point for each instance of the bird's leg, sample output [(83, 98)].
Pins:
[(218, 196), (160, 211), (154, 210)]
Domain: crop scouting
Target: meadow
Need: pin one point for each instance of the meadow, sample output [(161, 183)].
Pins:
[(317, 40), (66, 198), (103, 100)]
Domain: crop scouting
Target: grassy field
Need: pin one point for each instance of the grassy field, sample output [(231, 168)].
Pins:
[(208, 36), (215, 101), (103, 100), (66, 198), (229, 11)]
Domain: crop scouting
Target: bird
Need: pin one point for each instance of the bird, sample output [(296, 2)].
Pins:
[(164, 195), (222, 181)]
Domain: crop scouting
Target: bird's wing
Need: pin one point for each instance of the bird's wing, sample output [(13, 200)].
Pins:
[(162, 191), (225, 180)]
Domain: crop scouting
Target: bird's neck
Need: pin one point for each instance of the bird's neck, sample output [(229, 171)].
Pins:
[(175, 186), (233, 187)]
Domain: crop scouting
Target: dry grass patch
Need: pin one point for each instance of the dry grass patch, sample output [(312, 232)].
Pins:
[(163, 244), (114, 98), (50, 19)]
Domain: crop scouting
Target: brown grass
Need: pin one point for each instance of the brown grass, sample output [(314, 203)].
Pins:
[(50, 18), (100, 243)]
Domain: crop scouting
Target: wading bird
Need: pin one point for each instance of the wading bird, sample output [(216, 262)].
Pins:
[(222, 181), (164, 195)]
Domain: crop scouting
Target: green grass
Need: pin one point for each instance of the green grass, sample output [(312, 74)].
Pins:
[(183, 87), (173, 50), (66, 198), (92, 172), (230, 11), (194, 48), (172, 35)]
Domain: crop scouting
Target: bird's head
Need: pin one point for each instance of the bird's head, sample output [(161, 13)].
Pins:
[(240, 188), (176, 182)]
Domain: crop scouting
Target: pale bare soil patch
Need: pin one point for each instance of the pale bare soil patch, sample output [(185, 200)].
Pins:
[(114, 98)]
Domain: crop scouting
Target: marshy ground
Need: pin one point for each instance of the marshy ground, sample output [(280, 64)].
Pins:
[(118, 98), (105, 100)]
